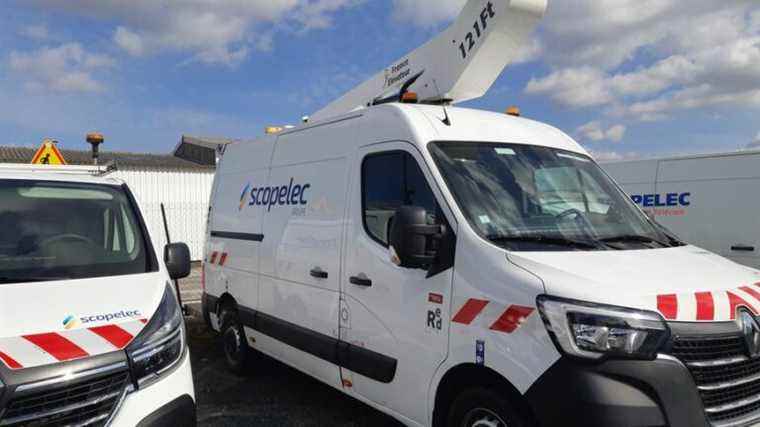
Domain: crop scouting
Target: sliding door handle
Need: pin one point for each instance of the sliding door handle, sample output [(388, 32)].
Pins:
[(318, 273), (360, 281), (743, 248)]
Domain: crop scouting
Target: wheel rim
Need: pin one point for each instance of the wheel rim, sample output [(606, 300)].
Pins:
[(232, 343), (482, 417)]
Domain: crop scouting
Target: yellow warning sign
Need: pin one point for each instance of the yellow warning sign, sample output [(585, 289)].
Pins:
[(48, 154)]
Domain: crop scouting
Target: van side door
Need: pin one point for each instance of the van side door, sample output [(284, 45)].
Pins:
[(394, 320)]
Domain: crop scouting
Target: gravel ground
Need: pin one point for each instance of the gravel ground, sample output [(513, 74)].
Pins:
[(269, 394)]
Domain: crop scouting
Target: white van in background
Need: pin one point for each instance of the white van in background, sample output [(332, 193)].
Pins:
[(91, 332), (707, 200)]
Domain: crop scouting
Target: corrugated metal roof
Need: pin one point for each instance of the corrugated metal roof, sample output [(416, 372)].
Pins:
[(9, 154)]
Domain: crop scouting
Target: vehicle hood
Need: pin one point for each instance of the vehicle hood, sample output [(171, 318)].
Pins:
[(683, 284), (44, 323)]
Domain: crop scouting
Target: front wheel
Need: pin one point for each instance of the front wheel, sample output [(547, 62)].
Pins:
[(234, 343), (481, 407)]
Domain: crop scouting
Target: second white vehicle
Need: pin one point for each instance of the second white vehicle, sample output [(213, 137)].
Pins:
[(91, 332)]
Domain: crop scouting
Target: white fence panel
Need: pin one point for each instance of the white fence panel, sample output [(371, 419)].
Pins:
[(185, 195)]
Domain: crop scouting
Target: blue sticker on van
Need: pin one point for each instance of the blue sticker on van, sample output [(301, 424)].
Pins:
[(669, 200), (293, 194)]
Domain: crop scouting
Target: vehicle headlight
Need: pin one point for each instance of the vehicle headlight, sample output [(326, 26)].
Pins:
[(161, 344), (594, 331)]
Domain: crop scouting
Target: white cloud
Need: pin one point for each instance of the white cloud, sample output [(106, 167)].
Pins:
[(594, 131), (213, 32), (66, 68), (646, 62), (427, 13), (581, 87), (131, 42), (36, 32)]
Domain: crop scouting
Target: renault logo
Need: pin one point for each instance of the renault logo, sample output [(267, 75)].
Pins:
[(751, 331)]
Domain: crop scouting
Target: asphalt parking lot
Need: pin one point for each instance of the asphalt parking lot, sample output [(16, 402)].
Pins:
[(270, 393)]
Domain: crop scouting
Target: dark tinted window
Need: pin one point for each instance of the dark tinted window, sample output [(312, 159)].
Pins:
[(56, 231), (391, 180)]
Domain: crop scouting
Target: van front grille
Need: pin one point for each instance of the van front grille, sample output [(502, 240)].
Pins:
[(727, 379), (87, 402)]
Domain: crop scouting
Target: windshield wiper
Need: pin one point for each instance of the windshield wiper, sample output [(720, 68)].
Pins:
[(632, 238), (548, 240)]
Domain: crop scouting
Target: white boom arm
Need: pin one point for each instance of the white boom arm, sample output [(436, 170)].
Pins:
[(460, 64)]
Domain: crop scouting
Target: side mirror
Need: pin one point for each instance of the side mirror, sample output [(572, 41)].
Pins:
[(412, 238), (177, 259)]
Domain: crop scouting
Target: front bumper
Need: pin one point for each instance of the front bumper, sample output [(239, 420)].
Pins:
[(620, 393), (168, 402)]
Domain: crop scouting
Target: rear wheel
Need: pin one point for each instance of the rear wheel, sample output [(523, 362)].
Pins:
[(234, 343), (481, 407)]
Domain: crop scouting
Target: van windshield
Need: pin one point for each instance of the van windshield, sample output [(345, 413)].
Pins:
[(531, 198), (58, 231)]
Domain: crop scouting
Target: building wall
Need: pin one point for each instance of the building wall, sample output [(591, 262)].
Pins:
[(185, 195)]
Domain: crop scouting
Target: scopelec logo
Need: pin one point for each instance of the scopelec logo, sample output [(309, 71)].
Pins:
[(662, 200), (279, 195), (71, 322)]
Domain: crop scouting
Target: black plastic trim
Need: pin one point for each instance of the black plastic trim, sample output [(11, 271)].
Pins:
[(180, 412), (620, 393), (368, 363), (251, 237)]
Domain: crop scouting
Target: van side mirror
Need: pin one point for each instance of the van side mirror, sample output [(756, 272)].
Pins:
[(177, 259), (412, 238)]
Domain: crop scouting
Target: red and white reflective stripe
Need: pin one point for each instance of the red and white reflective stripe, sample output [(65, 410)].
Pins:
[(221, 256), (709, 306), (492, 315), (34, 350)]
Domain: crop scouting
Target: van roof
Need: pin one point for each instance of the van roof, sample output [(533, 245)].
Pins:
[(466, 125), (486, 126), (58, 177)]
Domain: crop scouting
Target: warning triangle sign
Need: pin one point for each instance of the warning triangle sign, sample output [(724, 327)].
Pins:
[(48, 154)]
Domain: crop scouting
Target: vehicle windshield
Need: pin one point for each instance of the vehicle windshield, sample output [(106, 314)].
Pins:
[(531, 198), (58, 231)]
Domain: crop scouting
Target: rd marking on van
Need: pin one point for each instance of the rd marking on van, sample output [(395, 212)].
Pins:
[(709, 305), (497, 317)]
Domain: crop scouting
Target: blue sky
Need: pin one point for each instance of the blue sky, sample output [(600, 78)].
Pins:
[(626, 78)]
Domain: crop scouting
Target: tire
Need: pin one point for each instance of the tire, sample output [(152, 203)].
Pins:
[(234, 342), (482, 407)]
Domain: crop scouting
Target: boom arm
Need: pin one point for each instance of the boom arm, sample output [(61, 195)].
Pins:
[(460, 64)]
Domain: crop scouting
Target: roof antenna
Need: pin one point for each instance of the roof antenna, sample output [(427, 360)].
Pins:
[(445, 120)]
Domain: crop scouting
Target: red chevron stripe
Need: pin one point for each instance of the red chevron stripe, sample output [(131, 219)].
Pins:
[(705, 306), (11, 362), (755, 294), (469, 311), (57, 346), (668, 306), (512, 318), (223, 259), (213, 257), (737, 301), (113, 334)]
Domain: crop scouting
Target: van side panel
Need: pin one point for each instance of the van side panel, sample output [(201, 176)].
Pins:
[(301, 251), (720, 192), (235, 226)]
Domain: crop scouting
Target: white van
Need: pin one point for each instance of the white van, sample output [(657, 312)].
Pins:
[(454, 267), (708, 200), (91, 333)]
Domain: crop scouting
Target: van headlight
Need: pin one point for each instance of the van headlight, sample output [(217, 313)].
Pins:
[(594, 331), (161, 344)]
